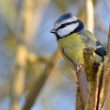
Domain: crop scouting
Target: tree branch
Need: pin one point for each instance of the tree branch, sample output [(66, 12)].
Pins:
[(39, 82), (91, 69), (83, 86)]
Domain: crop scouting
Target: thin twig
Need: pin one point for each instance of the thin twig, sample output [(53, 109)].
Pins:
[(100, 76), (108, 45), (90, 15), (106, 77)]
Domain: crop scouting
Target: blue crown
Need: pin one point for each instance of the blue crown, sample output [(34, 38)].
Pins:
[(64, 17)]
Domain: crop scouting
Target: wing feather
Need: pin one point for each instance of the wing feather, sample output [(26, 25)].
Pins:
[(89, 39)]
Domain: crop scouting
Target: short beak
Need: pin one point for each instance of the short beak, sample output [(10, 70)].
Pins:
[(53, 31)]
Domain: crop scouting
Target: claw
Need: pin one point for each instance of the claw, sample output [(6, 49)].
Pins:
[(78, 68)]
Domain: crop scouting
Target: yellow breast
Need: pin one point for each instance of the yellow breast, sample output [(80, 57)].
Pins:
[(73, 46)]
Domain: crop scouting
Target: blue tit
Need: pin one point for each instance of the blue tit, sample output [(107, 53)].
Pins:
[(73, 37)]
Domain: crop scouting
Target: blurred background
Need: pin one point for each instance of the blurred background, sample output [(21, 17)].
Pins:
[(28, 51)]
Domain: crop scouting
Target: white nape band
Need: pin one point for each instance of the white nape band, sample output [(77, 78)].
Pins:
[(72, 19), (99, 46)]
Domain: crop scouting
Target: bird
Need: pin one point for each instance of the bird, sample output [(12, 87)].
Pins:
[(72, 37)]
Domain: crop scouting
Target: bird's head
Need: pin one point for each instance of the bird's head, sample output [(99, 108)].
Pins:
[(66, 25)]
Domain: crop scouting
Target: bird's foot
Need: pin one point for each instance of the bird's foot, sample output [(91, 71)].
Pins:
[(78, 68)]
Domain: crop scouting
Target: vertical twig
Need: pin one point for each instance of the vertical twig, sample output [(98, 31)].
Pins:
[(100, 76), (90, 15), (108, 44), (91, 71), (83, 86), (106, 79)]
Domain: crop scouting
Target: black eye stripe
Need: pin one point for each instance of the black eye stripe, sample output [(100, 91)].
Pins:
[(63, 25), (78, 29)]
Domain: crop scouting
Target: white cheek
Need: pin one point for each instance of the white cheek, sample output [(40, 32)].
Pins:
[(67, 30)]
